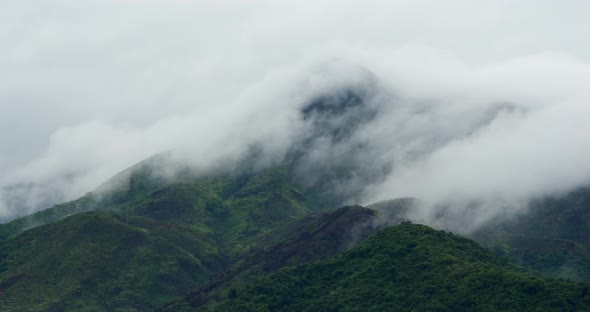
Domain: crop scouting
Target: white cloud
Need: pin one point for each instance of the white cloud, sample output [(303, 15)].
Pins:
[(88, 89)]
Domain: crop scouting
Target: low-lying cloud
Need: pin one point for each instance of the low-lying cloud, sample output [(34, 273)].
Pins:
[(466, 113)]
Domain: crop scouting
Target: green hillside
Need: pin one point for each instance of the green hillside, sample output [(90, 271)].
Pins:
[(407, 268), (258, 233), (101, 261), (248, 202), (552, 238), (147, 243), (313, 237), (259, 240), (316, 236)]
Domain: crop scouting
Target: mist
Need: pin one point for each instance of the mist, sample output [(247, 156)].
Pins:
[(475, 109)]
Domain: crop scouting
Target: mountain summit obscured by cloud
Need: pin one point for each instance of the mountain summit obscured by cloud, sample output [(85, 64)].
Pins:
[(464, 102)]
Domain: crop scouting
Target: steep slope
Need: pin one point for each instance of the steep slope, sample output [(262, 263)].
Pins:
[(234, 206), (316, 236), (325, 160), (552, 238), (161, 229), (331, 157), (223, 210), (102, 261), (408, 267), (147, 243)]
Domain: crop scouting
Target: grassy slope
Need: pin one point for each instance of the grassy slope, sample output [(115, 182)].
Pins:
[(148, 242), (228, 216), (56, 213), (265, 197), (101, 260), (408, 267), (553, 238), (317, 236)]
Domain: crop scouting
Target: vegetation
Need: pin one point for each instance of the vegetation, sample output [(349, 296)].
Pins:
[(243, 237), (147, 243), (406, 267), (317, 236), (254, 240), (101, 261), (553, 238)]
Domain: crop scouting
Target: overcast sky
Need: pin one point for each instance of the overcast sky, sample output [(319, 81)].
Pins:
[(88, 88)]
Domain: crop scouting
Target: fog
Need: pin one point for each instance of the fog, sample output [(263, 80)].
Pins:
[(474, 102)]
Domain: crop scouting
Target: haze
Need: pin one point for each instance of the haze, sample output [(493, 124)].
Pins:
[(483, 101)]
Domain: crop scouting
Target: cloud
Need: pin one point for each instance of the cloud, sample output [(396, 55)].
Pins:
[(475, 101)]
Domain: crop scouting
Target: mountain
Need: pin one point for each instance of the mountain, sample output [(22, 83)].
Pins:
[(145, 244), (552, 238), (150, 240), (405, 267), (315, 236), (190, 224), (263, 198), (252, 234), (104, 261), (331, 157), (324, 161)]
